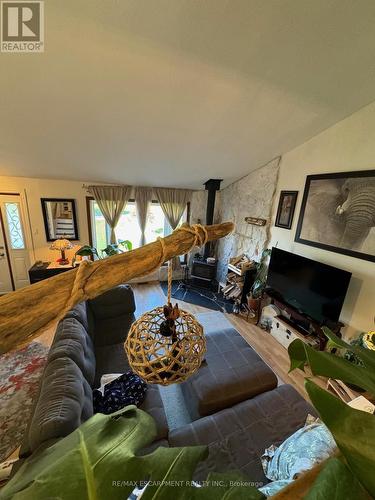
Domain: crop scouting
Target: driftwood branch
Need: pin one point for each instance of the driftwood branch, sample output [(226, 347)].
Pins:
[(26, 312), (298, 489)]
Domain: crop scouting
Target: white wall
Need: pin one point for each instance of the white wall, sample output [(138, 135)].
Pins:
[(34, 190), (347, 146)]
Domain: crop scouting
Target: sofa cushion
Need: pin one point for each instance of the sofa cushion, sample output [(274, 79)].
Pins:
[(238, 436), (115, 302), (111, 315), (72, 341), (231, 372), (65, 402), (79, 312), (109, 331), (153, 405), (112, 359)]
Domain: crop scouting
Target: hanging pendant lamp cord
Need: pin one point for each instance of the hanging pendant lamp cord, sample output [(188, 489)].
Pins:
[(170, 273)]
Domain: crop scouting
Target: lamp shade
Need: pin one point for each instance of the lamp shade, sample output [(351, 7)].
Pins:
[(61, 244)]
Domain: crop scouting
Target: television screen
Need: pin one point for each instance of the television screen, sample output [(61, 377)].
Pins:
[(313, 289)]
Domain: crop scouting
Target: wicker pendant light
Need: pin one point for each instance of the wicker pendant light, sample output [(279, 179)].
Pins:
[(165, 345)]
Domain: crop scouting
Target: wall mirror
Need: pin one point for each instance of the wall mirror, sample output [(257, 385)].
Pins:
[(60, 220)]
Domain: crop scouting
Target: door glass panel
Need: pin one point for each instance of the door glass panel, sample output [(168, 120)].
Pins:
[(17, 241)]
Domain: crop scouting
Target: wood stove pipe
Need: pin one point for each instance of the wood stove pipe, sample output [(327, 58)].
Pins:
[(212, 185)]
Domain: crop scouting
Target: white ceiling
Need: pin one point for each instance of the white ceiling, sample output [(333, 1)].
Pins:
[(173, 92)]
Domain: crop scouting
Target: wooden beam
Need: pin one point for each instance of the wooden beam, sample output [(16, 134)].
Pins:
[(298, 489), (25, 313)]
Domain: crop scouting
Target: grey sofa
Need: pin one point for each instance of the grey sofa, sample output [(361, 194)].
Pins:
[(88, 343), (233, 400)]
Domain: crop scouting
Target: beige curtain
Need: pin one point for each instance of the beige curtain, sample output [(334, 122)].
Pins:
[(143, 198), (173, 203), (111, 201)]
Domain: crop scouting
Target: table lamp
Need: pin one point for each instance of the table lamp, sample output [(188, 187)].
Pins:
[(62, 244)]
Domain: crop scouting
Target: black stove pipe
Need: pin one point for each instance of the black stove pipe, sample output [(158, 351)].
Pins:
[(212, 185)]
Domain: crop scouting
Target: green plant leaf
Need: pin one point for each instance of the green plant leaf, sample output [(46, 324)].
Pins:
[(336, 482), (261, 274), (127, 244), (297, 356), (353, 431), (229, 486), (111, 249), (329, 365), (86, 250), (101, 461)]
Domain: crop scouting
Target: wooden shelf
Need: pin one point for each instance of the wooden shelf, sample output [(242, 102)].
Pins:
[(238, 283), (235, 269)]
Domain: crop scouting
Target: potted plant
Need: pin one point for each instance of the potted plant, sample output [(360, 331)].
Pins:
[(257, 288), (115, 248), (366, 341), (87, 251), (108, 251)]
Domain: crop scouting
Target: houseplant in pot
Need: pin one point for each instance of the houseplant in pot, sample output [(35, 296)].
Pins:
[(364, 340), (108, 251), (257, 288)]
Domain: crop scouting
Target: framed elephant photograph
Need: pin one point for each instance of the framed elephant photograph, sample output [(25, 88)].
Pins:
[(338, 213)]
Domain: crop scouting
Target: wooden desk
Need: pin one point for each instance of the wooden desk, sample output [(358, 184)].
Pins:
[(42, 272)]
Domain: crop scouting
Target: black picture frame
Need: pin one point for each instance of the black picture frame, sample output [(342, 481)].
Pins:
[(49, 237), (291, 208), (340, 178)]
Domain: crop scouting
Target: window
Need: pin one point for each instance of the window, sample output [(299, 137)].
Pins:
[(128, 227), (17, 241)]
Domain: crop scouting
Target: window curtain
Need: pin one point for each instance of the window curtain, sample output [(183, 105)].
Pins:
[(173, 203), (111, 201), (143, 198)]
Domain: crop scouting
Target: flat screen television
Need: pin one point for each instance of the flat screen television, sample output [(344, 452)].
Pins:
[(313, 289)]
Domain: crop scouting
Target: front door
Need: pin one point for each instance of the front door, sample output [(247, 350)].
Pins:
[(16, 253), (6, 284)]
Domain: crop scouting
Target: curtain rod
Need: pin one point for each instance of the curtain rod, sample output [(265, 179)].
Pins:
[(86, 186)]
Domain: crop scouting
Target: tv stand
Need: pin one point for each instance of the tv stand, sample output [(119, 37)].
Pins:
[(285, 333), (304, 326), (299, 328)]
